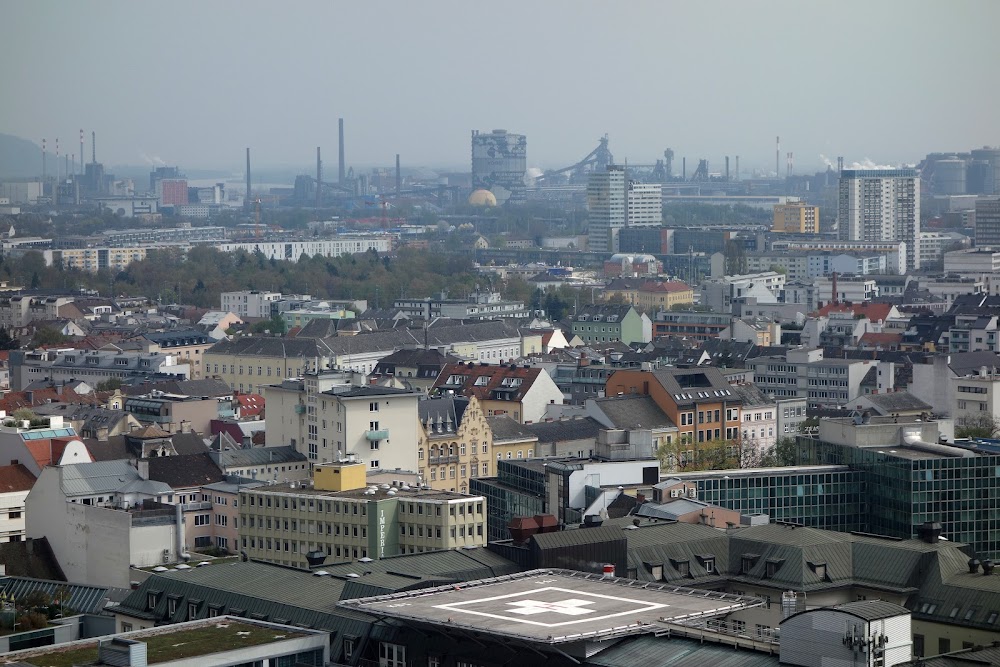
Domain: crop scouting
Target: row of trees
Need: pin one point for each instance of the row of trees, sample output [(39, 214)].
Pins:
[(726, 455)]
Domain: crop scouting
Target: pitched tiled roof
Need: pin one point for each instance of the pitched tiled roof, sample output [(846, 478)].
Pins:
[(565, 429), (482, 380), (505, 429), (181, 472), (631, 412)]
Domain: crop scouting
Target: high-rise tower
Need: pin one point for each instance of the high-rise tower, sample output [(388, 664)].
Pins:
[(881, 205), (614, 203)]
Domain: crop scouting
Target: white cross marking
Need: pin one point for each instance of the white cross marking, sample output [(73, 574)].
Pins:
[(567, 607)]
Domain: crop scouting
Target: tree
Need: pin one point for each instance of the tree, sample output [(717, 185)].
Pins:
[(736, 258), (6, 342), (110, 384), (980, 426), (47, 336), (689, 456), (782, 454)]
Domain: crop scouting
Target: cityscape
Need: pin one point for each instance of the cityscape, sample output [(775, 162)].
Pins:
[(435, 335)]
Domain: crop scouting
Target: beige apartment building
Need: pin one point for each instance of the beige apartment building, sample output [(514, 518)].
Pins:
[(338, 517), (796, 218), (454, 443)]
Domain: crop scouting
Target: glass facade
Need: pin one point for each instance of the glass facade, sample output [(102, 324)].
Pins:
[(905, 490), (517, 490), (829, 500)]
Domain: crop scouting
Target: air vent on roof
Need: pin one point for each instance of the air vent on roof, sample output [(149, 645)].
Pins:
[(353, 575), (321, 573), (159, 568), (365, 559), (183, 566)]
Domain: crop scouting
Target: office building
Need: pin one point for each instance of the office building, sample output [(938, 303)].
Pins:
[(499, 162), (608, 323), (988, 223), (613, 203), (340, 516), (796, 218), (805, 373), (881, 205), (249, 303), (912, 480), (293, 250)]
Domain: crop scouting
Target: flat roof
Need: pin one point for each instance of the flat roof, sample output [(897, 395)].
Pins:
[(413, 493), (554, 606), (169, 643)]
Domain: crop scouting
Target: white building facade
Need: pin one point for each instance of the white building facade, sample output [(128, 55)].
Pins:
[(881, 205)]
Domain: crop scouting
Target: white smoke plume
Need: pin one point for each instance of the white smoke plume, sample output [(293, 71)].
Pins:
[(152, 161), (868, 163), (827, 162)]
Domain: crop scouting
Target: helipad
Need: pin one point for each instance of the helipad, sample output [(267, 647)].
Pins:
[(554, 606)]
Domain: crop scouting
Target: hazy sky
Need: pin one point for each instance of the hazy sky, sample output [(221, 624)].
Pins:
[(192, 82)]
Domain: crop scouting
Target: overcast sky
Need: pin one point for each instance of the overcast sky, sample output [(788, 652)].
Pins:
[(192, 83)]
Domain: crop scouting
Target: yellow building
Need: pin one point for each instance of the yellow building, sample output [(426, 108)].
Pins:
[(650, 296), (454, 442), (95, 259), (796, 218), (339, 516)]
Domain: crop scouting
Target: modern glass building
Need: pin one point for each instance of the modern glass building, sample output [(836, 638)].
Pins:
[(910, 479), (828, 497), (517, 490)]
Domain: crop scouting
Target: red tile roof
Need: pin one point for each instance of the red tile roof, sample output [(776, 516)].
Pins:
[(669, 286), (872, 338), (250, 404), (50, 451), (495, 378), (15, 478), (873, 311)]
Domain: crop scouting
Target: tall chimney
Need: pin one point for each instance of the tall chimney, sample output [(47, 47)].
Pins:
[(81, 151), (44, 171), (684, 168), (246, 200), (340, 164), (737, 167), (93, 147), (777, 157), (319, 178), (840, 165), (727, 167), (399, 176)]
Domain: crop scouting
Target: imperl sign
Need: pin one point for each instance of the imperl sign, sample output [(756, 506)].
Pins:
[(381, 533)]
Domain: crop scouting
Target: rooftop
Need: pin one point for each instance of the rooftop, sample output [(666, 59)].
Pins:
[(553, 606), (169, 643), (380, 492)]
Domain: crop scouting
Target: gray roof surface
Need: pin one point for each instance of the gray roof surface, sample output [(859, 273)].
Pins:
[(565, 430), (872, 610), (504, 428), (84, 479), (897, 401), (508, 606), (237, 458), (633, 412), (678, 652), (751, 395), (81, 598)]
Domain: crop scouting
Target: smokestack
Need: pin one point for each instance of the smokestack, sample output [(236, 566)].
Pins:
[(777, 157), (399, 176), (727, 167), (684, 168), (57, 159), (340, 164), (737, 167), (319, 178), (44, 171), (788, 167), (246, 200), (93, 147), (81, 151), (840, 165)]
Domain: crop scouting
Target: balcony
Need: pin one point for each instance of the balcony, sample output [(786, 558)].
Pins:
[(381, 434), (439, 460)]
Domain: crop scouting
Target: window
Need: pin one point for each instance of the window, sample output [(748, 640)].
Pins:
[(348, 648), (391, 655), (944, 645), (127, 627), (373, 407), (373, 464)]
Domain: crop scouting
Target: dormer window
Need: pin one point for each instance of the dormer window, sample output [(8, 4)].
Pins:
[(708, 562), (819, 569), (151, 599), (772, 566), (482, 380), (747, 562), (683, 567)]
